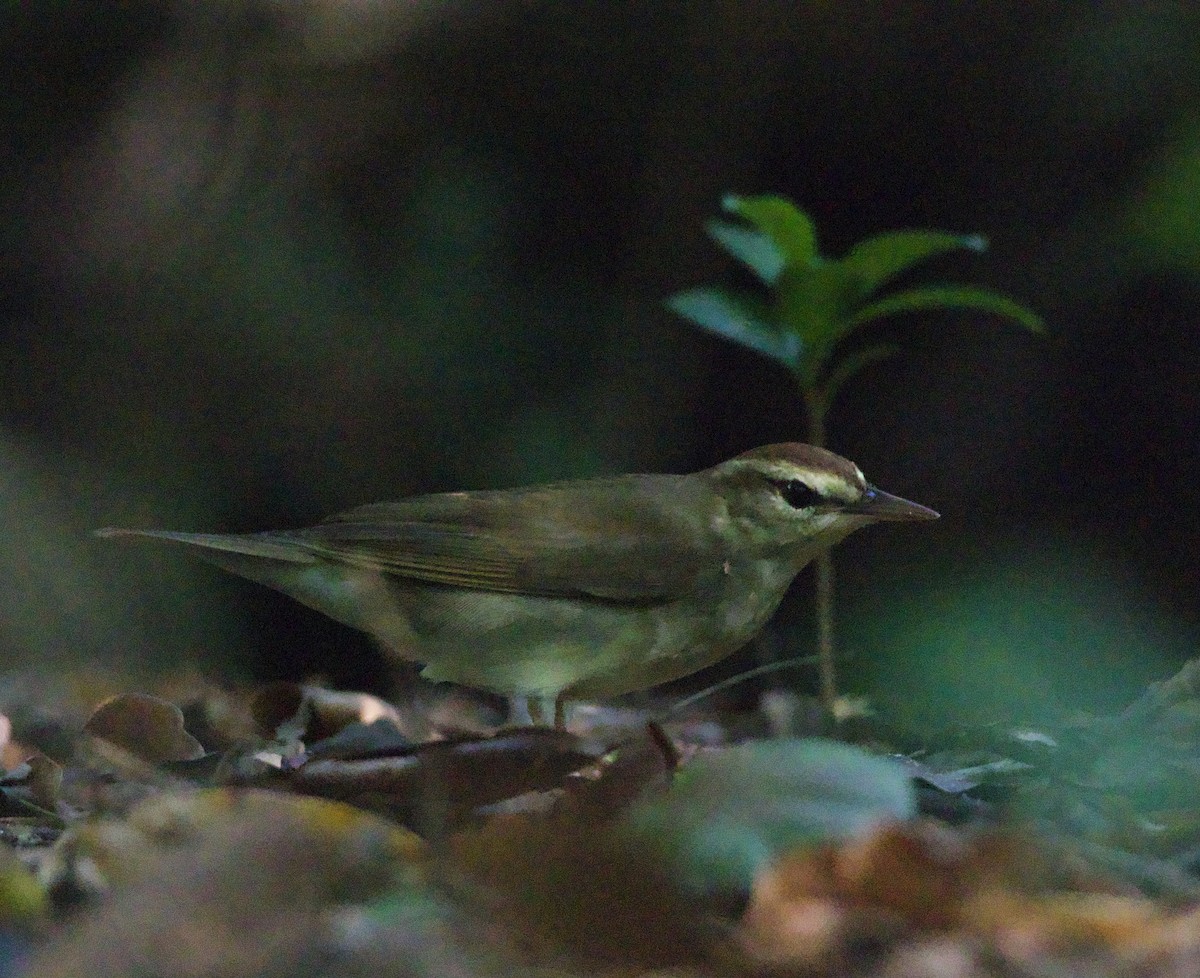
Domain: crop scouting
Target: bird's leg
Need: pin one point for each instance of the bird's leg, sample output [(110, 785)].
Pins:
[(535, 711), (560, 713), (520, 711)]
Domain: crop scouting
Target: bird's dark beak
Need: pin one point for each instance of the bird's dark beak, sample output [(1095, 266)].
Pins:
[(880, 505)]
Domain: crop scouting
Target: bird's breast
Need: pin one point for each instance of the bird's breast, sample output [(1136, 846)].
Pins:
[(751, 593)]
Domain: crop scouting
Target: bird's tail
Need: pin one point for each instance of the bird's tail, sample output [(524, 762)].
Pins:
[(263, 545), (357, 597)]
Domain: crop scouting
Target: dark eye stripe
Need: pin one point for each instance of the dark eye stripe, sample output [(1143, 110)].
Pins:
[(798, 494)]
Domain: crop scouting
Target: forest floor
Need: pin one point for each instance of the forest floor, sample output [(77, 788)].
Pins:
[(296, 830)]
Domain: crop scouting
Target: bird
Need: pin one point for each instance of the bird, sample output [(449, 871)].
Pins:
[(575, 590)]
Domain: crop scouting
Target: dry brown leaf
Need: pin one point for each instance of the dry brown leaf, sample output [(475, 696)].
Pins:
[(1028, 928), (45, 782), (993, 889), (607, 788), (810, 903), (317, 712), (230, 882), (442, 782), (122, 848), (574, 886), (799, 917), (145, 726)]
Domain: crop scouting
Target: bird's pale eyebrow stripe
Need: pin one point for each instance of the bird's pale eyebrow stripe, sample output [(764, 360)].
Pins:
[(832, 487), (835, 486)]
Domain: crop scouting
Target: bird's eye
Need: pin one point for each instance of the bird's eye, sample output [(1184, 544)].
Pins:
[(799, 495)]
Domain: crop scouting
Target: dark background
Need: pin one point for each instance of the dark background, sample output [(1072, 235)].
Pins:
[(262, 261)]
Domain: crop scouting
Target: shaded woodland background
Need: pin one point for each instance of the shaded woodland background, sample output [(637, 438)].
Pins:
[(265, 260)]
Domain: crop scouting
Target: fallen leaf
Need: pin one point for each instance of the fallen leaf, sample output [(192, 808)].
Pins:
[(571, 885), (731, 811), (438, 784), (144, 726), (231, 883), (313, 713)]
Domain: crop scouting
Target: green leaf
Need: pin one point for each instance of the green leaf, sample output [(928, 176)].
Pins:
[(783, 222), (741, 319), (813, 303), (876, 260), (730, 812), (752, 248), (852, 363), (947, 298)]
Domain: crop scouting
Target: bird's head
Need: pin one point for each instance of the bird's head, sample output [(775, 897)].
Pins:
[(790, 494)]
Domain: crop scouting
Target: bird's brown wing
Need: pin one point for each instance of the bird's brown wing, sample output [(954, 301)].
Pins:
[(531, 541)]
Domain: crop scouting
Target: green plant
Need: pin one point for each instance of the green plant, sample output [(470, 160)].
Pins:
[(811, 305)]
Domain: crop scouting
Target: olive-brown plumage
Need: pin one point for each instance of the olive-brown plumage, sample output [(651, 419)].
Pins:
[(580, 589)]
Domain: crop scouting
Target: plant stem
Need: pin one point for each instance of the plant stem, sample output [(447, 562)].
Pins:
[(825, 652), (817, 404)]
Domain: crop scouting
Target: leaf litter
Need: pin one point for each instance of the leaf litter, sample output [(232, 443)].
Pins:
[(295, 829)]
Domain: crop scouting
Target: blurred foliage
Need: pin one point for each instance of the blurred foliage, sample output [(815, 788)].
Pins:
[(1165, 218), (1022, 635)]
